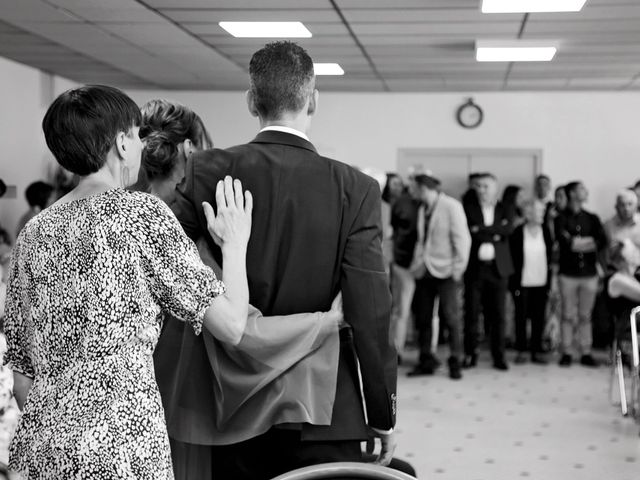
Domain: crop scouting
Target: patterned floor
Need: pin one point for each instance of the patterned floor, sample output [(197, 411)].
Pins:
[(530, 422)]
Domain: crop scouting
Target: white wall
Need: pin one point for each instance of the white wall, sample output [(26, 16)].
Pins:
[(593, 136), (25, 94), (589, 135)]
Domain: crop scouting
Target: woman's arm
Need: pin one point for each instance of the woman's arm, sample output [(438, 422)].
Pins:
[(230, 228), (226, 318), (21, 387), (280, 332)]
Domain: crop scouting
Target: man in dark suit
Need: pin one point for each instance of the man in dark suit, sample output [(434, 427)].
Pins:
[(488, 272), (316, 231)]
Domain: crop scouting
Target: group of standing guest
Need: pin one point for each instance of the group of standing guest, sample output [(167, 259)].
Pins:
[(460, 260)]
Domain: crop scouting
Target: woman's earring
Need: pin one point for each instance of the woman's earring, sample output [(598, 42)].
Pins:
[(124, 176)]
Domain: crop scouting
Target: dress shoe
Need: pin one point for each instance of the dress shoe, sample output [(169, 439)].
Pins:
[(470, 361), (420, 370), (520, 358), (538, 359), (500, 364), (454, 368), (588, 361), (565, 360), (430, 360)]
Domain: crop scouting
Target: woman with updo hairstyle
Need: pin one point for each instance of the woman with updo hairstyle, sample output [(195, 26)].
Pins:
[(90, 279), (205, 403), (171, 132)]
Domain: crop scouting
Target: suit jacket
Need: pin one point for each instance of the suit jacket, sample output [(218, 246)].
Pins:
[(316, 231), (403, 220), (496, 234), (446, 250), (516, 243)]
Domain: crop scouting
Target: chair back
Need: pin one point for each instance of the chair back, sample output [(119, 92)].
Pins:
[(345, 471), (633, 321)]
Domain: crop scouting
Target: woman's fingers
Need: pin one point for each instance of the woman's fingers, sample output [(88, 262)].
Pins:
[(221, 202), (237, 188), (248, 202), (337, 303), (209, 213), (228, 191)]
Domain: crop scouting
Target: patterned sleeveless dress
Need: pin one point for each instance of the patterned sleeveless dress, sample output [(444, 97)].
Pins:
[(89, 282)]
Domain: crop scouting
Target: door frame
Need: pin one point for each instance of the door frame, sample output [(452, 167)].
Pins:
[(468, 152)]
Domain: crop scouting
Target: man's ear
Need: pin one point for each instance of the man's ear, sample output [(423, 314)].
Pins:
[(313, 102), (251, 103)]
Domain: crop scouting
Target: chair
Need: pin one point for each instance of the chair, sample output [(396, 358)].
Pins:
[(635, 365), (345, 471), (625, 346)]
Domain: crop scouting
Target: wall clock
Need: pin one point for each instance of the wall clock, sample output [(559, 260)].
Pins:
[(469, 115)]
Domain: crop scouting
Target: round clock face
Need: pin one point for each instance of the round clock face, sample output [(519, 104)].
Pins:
[(469, 115)]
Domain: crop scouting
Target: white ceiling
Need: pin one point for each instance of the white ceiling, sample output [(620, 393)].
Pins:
[(383, 45)]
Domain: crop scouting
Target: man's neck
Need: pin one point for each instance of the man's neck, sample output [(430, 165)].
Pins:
[(296, 123)]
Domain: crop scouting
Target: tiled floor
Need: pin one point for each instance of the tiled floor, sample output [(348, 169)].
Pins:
[(530, 422)]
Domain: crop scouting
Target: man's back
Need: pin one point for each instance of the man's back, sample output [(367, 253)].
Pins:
[(316, 231)]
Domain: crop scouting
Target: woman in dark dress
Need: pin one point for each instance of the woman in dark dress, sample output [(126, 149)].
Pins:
[(204, 403), (531, 250)]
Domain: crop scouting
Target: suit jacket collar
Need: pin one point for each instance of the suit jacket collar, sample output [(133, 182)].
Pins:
[(283, 138)]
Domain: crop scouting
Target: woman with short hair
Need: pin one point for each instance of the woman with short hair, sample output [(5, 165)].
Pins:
[(90, 278)]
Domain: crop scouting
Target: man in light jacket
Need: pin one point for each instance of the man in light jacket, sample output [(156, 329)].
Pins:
[(440, 260)]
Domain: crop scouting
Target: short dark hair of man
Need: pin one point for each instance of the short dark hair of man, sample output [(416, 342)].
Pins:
[(282, 79), (427, 181), (473, 176), (571, 187), (38, 194), (81, 126), (542, 176)]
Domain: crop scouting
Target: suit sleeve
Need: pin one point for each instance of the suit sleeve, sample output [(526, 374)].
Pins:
[(367, 308), (183, 205)]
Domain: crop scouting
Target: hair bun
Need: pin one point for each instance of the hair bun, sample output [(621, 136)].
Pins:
[(159, 154)]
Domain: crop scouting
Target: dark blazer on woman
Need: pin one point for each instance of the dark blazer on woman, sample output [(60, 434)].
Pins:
[(516, 242)]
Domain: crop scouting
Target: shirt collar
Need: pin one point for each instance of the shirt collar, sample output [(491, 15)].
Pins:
[(280, 128)]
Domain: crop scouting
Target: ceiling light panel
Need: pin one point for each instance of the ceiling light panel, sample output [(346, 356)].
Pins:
[(531, 6), (515, 51), (327, 69), (266, 29)]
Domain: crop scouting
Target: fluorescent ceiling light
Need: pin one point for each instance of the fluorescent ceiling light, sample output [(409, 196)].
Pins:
[(327, 69), (526, 6), (266, 29), (515, 51)]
